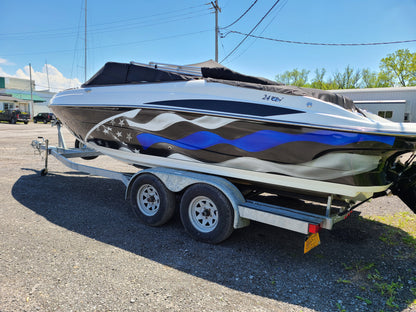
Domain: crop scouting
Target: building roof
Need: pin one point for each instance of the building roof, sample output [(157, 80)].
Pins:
[(27, 97), (7, 98), (366, 90)]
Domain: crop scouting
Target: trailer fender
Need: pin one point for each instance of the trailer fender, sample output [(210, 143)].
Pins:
[(178, 180)]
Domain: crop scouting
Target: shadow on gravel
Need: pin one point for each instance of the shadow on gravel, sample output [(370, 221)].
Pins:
[(353, 269)]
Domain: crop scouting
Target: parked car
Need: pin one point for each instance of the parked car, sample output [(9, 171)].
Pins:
[(14, 115), (44, 117)]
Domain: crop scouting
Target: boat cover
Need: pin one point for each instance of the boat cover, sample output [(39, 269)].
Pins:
[(226, 75), (123, 73)]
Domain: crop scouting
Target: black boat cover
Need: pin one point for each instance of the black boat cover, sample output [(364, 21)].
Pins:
[(225, 75), (121, 73)]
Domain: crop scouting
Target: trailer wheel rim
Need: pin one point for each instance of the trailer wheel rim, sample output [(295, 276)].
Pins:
[(148, 200), (203, 214)]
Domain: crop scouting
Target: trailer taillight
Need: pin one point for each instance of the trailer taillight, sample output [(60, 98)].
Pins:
[(314, 228)]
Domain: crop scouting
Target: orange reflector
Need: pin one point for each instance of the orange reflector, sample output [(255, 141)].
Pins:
[(311, 242)]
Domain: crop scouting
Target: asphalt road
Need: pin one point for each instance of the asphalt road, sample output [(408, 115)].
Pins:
[(69, 242)]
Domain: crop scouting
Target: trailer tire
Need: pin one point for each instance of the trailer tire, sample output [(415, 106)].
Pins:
[(152, 202), (206, 213), (13, 120)]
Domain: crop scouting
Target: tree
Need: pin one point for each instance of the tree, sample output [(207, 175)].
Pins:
[(319, 82), (413, 68), (348, 79), (294, 77), (400, 67), (371, 79)]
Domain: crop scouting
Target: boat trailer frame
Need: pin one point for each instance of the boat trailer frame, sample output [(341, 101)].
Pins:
[(177, 181)]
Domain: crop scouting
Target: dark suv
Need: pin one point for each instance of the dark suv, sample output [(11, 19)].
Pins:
[(44, 117)]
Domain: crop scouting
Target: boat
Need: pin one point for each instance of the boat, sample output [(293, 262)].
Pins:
[(257, 133)]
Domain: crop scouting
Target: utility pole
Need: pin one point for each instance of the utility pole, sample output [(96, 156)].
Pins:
[(47, 75), (31, 108), (216, 8)]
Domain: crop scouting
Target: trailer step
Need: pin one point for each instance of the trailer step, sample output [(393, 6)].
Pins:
[(287, 218)]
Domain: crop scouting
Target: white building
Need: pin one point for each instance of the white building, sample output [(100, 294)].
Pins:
[(42, 107), (395, 104), (9, 102), (17, 94)]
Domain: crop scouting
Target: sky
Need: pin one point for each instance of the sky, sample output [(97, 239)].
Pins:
[(50, 35)]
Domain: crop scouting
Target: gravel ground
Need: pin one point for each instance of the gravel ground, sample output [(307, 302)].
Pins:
[(69, 242)]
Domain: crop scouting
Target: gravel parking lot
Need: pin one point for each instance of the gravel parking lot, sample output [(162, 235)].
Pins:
[(69, 242)]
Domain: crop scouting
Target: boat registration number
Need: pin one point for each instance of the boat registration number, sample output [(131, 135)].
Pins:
[(268, 97), (311, 242)]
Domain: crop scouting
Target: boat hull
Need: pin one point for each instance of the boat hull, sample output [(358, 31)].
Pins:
[(352, 165)]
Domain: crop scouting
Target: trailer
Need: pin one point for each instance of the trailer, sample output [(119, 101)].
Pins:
[(211, 207)]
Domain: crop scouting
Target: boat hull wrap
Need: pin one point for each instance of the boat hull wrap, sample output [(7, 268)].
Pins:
[(340, 157)]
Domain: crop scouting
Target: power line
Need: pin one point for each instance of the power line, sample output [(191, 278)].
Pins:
[(68, 30), (158, 15), (254, 28), (111, 45), (241, 16), (281, 6), (319, 43), (132, 26), (102, 28), (156, 22)]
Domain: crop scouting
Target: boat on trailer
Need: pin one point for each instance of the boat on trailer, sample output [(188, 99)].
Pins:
[(252, 131), (220, 141)]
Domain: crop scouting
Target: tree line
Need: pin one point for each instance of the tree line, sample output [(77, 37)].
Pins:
[(396, 69)]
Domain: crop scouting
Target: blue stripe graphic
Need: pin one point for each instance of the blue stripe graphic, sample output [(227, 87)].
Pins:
[(262, 140)]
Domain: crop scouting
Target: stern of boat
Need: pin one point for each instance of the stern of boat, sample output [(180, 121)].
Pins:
[(405, 185)]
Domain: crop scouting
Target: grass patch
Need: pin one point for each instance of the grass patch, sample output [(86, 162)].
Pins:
[(375, 276), (367, 301), (403, 228), (359, 267), (370, 282), (388, 289), (341, 308)]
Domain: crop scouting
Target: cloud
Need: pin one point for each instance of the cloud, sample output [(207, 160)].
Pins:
[(5, 62), (57, 81), (3, 73)]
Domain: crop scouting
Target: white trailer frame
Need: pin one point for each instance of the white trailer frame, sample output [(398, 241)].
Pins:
[(177, 181)]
